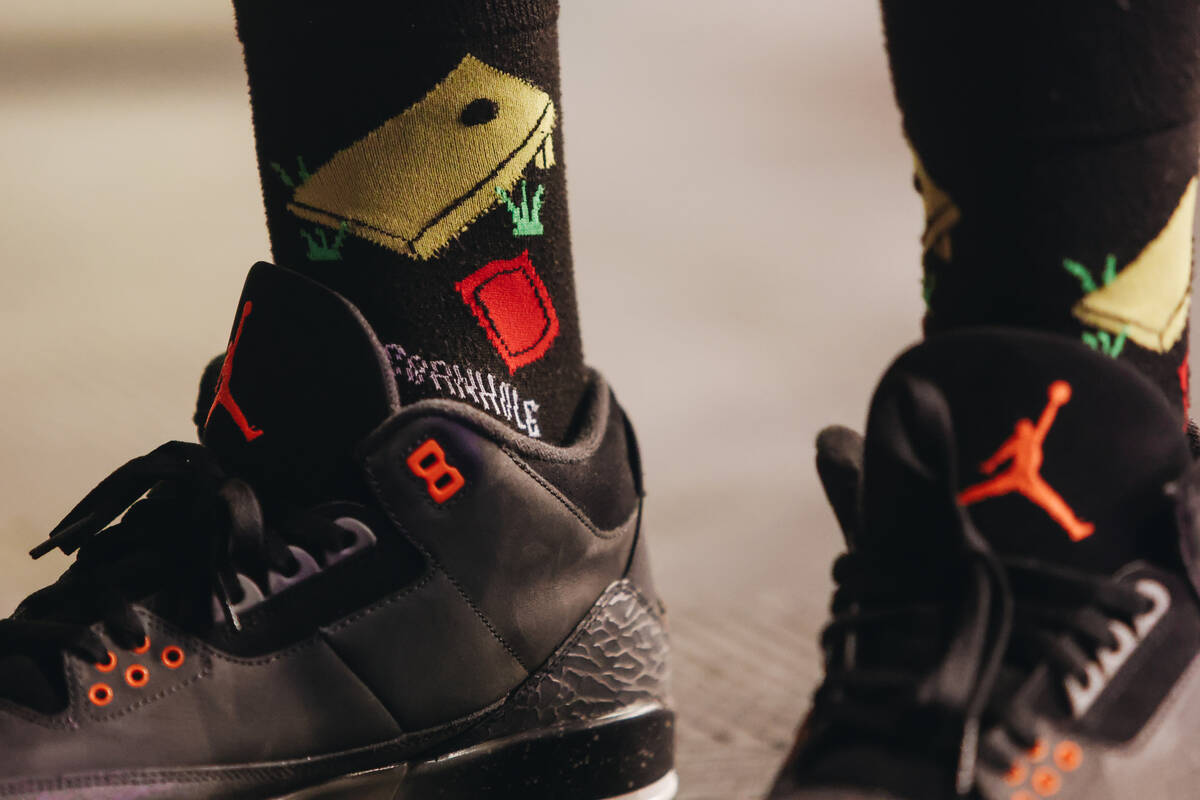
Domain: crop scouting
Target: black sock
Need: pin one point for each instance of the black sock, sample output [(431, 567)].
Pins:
[(411, 159), (1056, 149)]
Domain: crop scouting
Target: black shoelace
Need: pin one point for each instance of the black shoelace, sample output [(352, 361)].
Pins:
[(1062, 618), (188, 530), (1013, 614)]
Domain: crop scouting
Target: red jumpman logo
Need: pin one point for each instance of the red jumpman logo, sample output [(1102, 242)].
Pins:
[(224, 396), (1024, 450)]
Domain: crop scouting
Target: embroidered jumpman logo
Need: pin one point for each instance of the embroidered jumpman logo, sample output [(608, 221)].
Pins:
[(224, 396), (1024, 452)]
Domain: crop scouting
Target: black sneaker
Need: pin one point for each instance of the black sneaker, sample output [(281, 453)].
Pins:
[(336, 597), (1017, 615)]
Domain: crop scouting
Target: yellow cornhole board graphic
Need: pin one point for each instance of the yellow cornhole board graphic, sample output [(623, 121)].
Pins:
[(1149, 299), (417, 181)]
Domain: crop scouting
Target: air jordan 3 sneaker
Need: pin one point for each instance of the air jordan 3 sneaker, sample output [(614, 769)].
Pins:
[(1016, 617), (337, 596)]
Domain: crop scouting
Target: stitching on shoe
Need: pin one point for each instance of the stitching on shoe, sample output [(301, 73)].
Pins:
[(58, 721), (154, 625), (287, 769), (615, 533), (371, 609), (598, 395), (483, 618), (67, 719), (616, 590), (170, 690), (228, 658), (373, 479)]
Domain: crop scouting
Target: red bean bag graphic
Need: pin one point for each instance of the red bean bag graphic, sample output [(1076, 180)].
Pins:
[(513, 307)]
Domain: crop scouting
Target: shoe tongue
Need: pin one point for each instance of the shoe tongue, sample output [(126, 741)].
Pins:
[(1052, 450), (303, 381)]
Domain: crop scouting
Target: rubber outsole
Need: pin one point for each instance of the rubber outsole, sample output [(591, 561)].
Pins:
[(384, 787), (627, 755)]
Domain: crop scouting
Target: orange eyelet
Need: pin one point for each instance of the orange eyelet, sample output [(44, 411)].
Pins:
[(1039, 751), (1045, 781), (172, 657), (101, 694), (1016, 774), (109, 664), (137, 676), (144, 647), (1068, 756)]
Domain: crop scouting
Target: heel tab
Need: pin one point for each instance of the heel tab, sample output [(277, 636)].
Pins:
[(631, 446), (637, 569), (840, 467)]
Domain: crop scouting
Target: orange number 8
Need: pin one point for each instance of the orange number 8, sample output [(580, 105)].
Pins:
[(429, 463)]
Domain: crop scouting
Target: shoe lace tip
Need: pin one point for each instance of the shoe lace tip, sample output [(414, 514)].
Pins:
[(42, 549), (964, 776), (227, 609)]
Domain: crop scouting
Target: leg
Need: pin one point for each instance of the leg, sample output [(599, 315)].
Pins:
[(1041, 130), (996, 487), (348, 581), (410, 156), (1057, 149), (1059, 511)]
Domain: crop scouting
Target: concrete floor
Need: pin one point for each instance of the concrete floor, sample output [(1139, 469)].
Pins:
[(742, 285)]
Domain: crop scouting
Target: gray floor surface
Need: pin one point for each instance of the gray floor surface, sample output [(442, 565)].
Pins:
[(746, 245)]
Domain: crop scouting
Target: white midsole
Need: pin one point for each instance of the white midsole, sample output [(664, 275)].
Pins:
[(662, 789)]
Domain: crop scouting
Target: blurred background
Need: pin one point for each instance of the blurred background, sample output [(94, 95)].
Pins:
[(761, 280)]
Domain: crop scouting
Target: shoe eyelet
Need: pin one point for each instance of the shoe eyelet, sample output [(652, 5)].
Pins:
[(306, 566), (1039, 751), (109, 664), (137, 676), (144, 647), (1045, 781), (172, 657), (101, 694), (1068, 756), (358, 536), (1016, 773)]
